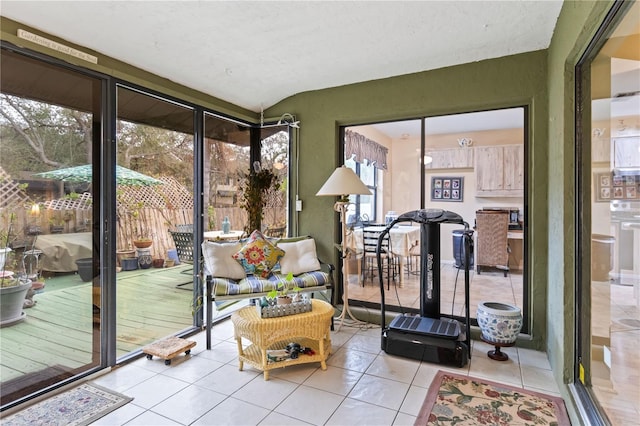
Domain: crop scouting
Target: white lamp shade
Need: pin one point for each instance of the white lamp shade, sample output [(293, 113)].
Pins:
[(343, 181)]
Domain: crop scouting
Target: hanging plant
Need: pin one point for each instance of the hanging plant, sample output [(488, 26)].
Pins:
[(254, 190)]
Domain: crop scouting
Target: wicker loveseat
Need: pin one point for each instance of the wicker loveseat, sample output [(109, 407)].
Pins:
[(229, 278)]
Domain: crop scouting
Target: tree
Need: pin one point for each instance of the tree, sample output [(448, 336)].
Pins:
[(37, 136)]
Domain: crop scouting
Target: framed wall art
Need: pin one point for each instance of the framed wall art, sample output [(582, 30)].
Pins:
[(608, 187), (447, 188)]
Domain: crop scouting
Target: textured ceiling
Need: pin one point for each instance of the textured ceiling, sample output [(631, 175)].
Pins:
[(254, 54)]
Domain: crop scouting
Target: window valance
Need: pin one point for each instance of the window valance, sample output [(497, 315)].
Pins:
[(364, 148)]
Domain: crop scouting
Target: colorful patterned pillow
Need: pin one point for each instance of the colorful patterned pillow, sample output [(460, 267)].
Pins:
[(258, 256)]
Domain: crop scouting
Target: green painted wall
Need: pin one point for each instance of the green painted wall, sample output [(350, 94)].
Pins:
[(496, 83)]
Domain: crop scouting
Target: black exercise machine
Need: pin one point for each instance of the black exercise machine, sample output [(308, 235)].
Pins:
[(429, 336)]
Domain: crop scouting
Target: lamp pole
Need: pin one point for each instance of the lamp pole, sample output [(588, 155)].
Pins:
[(341, 207), (342, 183)]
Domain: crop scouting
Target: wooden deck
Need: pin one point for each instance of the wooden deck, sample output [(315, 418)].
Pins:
[(59, 330)]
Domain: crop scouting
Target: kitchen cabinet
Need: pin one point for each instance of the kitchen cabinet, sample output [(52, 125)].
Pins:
[(600, 150), (499, 171), (458, 158)]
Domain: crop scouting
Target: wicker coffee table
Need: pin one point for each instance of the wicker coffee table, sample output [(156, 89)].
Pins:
[(310, 329)]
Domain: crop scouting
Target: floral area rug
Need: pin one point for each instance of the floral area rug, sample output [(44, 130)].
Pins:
[(454, 399), (79, 406)]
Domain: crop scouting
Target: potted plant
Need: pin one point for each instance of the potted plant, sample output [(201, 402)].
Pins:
[(13, 289), (56, 224), (140, 223), (254, 191), (282, 293), (85, 268)]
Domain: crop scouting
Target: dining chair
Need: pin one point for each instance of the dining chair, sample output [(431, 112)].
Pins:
[(492, 227), (413, 264), (184, 247), (389, 260)]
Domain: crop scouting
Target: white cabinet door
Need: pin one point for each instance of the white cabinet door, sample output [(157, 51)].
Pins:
[(513, 168), (461, 158), (489, 174), (500, 171), (626, 152)]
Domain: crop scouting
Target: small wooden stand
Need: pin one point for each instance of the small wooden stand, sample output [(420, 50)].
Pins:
[(497, 354), (168, 348)]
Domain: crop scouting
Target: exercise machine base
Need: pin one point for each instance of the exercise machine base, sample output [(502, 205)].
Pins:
[(441, 351)]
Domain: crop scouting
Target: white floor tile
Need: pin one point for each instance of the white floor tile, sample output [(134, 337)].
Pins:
[(425, 374), (394, 368), (378, 391), (533, 358), (310, 405), (539, 378), (277, 419), (351, 359), (355, 412), (232, 412), (334, 379), (120, 416), (227, 379), (222, 352), (413, 401), (364, 344), (498, 371), (189, 404), (123, 378), (403, 419), (151, 418), (155, 390), (295, 373), (266, 394), (192, 369)]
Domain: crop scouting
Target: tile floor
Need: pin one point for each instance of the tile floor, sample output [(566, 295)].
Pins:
[(362, 384)]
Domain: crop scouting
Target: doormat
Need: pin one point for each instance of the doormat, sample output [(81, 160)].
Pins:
[(79, 406), (456, 399)]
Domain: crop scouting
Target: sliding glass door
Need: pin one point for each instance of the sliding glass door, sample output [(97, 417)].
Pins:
[(608, 219), (155, 219), (50, 124)]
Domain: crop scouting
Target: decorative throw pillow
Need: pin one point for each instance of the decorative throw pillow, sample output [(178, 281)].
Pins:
[(299, 257), (258, 256), (219, 261)]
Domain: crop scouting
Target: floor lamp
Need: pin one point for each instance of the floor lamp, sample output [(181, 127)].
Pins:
[(342, 183)]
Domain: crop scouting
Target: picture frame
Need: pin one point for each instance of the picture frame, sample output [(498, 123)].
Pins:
[(447, 188), (608, 187)]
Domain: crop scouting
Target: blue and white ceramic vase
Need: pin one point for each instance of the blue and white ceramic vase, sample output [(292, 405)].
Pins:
[(144, 258), (499, 322)]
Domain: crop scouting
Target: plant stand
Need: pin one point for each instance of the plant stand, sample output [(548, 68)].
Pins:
[(497, 354)]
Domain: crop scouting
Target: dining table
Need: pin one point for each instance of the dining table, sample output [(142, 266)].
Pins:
[(401, 239)]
